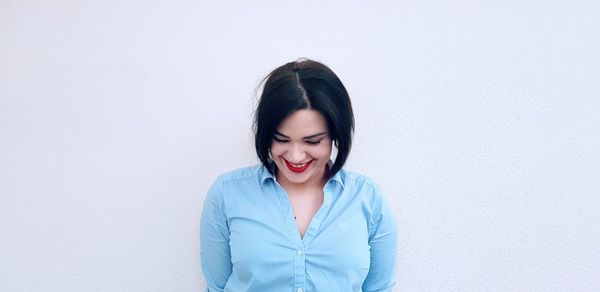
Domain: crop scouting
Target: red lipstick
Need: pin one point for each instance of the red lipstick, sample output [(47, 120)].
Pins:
[(297, 169)]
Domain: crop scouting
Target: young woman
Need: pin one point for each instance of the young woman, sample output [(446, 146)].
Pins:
[(298, 221)]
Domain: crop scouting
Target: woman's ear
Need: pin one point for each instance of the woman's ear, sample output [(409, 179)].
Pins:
[(334, 151)]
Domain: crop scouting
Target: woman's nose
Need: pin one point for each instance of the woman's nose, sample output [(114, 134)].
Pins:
[(297, 154)]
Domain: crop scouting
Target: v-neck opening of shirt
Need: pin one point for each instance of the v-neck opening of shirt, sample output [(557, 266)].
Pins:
[(288, 215)]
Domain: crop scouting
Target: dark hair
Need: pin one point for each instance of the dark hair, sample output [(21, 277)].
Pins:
[(303, 84)]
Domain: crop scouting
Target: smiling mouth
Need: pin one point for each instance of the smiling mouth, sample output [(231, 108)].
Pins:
[(297, 167)]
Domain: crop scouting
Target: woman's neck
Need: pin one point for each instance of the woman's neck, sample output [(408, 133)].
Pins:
[(311, 184)]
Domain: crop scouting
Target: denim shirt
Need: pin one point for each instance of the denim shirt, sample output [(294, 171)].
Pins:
[(250, 241)]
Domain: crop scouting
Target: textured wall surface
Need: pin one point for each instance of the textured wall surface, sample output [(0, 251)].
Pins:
[(479, 120)]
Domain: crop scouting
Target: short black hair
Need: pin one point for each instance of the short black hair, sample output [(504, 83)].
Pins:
[(303, 84)]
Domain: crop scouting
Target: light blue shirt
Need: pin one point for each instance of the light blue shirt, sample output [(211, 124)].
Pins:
[(250, 242)]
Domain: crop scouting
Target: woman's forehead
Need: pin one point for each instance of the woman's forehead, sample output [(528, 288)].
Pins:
[(303, 123)]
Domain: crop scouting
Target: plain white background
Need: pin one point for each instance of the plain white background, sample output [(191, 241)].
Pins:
[(479, 119)]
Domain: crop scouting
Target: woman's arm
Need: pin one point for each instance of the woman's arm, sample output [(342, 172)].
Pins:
[(214, 240), (383, 243)]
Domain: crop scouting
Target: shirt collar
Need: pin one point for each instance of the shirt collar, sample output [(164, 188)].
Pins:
[(338, 178), (265, 174)]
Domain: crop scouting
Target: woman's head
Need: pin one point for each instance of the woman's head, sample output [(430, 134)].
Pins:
[(300, 98)]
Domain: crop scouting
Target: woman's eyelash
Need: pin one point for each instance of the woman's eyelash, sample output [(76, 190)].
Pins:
[(307, 142)]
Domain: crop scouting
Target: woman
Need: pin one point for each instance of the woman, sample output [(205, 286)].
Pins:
[(298, 222)]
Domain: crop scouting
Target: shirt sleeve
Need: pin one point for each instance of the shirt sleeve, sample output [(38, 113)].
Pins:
[(383, 244), (215, 256)]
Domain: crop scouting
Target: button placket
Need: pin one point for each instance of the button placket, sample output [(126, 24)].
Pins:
[(300, 269)]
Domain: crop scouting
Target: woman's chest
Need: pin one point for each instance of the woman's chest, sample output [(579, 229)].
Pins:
[(268, 236)]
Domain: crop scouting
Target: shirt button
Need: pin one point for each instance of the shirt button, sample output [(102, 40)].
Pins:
[(300, 253), (299, 289)]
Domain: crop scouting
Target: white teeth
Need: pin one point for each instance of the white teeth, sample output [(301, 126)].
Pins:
[(297, 165)]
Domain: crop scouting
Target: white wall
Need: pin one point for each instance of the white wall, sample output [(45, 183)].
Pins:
[(480, 121)]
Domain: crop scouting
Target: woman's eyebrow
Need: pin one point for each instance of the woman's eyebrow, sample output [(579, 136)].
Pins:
[(315, 135)]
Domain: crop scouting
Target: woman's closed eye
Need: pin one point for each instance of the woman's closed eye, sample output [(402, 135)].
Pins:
[(280, 140), (309, 142)]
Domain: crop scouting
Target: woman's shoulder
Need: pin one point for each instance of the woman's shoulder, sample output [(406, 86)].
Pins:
[(356, 179), (233, 182), (243, 173), (363, 188)]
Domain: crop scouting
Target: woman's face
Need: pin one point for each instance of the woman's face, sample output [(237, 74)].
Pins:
[(301, 148)]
